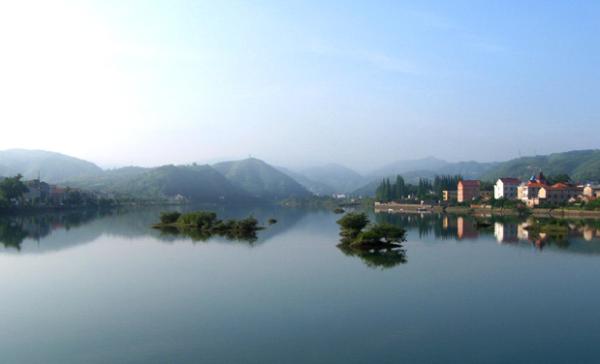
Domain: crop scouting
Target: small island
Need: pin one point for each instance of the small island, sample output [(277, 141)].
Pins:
[(205, 224), (356, 233), (378, 245)]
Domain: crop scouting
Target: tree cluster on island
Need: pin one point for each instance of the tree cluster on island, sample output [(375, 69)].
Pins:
[(355, 231), (377, 245), (201, 225)]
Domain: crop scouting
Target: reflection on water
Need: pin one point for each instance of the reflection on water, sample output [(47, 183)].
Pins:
[(581, 236), (376, 258), (40, 233)]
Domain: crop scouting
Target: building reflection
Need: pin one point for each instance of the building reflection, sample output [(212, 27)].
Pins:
[(572, 235)]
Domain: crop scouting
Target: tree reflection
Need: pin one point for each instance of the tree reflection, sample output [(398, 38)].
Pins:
[(376, 258), (15, 229)]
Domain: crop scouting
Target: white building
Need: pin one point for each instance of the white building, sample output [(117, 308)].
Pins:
[(506, 188)]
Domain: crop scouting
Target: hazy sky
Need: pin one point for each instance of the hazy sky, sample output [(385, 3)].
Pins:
[(299, 82)]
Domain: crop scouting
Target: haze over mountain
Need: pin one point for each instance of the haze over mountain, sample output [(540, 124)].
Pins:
[(195, 183), (253, 179), (341, 179), (581, 165), (51, 166), (261, 180)]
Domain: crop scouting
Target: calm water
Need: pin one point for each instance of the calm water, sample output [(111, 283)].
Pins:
[(99, 289)]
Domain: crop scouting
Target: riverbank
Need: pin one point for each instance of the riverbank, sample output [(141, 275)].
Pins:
[(393, 207)]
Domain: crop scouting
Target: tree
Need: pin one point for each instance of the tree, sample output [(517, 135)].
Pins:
[(351, 225), (381, 234), (13, 188), (558, 178)]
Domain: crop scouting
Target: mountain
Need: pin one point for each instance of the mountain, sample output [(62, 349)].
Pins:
[(261, 180), (341, 179), (51, 167), (403, 166), (317, 188), (581, 165), (196, 183)]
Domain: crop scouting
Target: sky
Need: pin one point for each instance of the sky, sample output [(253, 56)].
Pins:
[(299, 83)]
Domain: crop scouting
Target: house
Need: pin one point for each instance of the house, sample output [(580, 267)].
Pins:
[(468, 190), (558, 193), (506, 188), (529, 193), (57, 195), (449, 195), (591, 192), (37, 191)]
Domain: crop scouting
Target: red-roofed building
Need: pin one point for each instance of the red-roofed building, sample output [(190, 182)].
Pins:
[(558, 193), (468, 190)]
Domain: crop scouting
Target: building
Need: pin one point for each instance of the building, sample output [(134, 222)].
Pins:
[(506, 188), (57, 195), (529, 193), (38, 191), (591, 192), (468, 190), (449, 195), (559, 193)]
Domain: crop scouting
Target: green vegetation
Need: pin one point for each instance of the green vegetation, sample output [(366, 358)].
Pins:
[(353, 233), (12, 188), (202, 225), (194, 183), (260, 180), (51, 167), (376, 258), (424, 190), (581, 165)]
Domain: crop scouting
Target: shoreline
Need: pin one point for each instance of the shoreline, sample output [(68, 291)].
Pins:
[(537, 212)]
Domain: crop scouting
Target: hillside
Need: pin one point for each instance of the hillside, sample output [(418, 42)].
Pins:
[(196, 183), (261, 180), (341, 179), (317, 188), (52, 167), (581, 165)]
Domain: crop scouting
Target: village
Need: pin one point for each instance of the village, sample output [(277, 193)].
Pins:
[(537, 195), (18, 194), (533, 193)]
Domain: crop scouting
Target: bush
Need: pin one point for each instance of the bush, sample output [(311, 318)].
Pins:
[(351, 224), (200, 219), (169, 217), (381, 233)]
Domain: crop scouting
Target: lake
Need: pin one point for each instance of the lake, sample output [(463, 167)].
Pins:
[(107, 288)]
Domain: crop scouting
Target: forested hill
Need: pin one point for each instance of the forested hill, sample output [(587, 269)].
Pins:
[(261, 180), (580, 165), (51, 167), (195, 183)]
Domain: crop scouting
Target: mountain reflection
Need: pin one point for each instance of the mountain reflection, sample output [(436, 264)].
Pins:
[(577, 236), (38, 233)]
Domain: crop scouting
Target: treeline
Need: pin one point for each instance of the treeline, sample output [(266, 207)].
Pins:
[(13, 195), (425, 189)]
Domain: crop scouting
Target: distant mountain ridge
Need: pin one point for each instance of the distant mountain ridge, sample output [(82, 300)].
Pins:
[(261, 180), (194, 183), (581, 165), (252, 179), (50, 166)]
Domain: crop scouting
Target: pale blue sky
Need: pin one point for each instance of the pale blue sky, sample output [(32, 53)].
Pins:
[(299, 83)]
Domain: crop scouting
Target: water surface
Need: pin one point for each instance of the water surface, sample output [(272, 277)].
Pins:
[(98, 288)]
